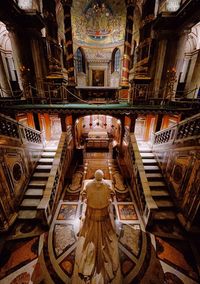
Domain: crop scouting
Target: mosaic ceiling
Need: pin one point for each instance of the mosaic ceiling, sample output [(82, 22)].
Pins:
[(98, 22)]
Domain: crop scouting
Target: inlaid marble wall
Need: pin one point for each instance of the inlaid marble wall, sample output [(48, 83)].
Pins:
[(181, 166), (16, 165)]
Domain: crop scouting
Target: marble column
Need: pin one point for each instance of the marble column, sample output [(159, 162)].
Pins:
[(127, 43), (133, 122), (54, 50), (5, 88), (159, 66), (19, 59), (68, 40), (180, 54), (38, 63), (158, 122), (122, 129), (36, 121), (63, 122), (47, 121)]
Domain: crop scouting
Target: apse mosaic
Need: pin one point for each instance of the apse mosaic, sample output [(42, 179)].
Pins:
[(101, 22)]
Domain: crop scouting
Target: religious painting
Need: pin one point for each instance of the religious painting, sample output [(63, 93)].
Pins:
[(98, 78)]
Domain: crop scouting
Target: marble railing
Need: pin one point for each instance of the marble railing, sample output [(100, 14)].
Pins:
[(139, 183), (188, 129), (11, 128), (55, 183)]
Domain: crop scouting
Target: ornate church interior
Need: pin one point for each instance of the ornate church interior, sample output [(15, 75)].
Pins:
[(110, 85)]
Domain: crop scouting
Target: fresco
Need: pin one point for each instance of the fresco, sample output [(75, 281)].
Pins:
[(101, 22)]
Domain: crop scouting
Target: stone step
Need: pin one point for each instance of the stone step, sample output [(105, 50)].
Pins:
[(50, 149), (44, 168), (149, 161), (151, 168), (164, 215), (30, 203), (164, 203), (144, 151), (48, 154), (154, 175), (43, 175), (46, 161), (147, 155), (37, 183), (33, 192), (159, 193), (157, 184), (27, 214)]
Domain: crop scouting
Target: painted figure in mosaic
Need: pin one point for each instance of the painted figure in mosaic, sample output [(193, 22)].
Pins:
[(97, 259)]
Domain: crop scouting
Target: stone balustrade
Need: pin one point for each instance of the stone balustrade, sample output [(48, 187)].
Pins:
[(11, 128), (139, 183), (55, 183), (184, 131)]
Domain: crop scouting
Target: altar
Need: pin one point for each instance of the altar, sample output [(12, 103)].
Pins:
[(97, 139), (99, 94)]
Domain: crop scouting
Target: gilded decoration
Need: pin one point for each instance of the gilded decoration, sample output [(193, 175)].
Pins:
[(98, 22)]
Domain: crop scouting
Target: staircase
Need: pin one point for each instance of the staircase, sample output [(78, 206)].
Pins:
[(166, 215), (36, 186)]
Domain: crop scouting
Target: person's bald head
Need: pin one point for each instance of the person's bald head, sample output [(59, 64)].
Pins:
[(99, 175)]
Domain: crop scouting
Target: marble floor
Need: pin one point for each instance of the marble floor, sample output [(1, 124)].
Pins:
[(48, 256)]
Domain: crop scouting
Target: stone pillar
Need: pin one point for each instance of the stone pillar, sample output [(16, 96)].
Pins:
[(30, 120), (63, 122), (21, 65), (36, 121), (159, 122), (38, 64), (68, 40), (192, 78), (133, 122), (159, 66), (127, 43), (122, 129), (54, 50), (5, 89), (47, 126), (180, 54), (147, 129)]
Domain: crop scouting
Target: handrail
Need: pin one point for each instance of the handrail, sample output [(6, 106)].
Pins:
[(183, 131), (147, 205), (60, 93), (55, 181)]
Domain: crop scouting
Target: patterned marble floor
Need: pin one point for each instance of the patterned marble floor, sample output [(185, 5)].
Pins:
[(49, 257)]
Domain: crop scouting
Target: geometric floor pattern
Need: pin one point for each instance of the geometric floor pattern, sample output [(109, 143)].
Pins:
[(145, 258)]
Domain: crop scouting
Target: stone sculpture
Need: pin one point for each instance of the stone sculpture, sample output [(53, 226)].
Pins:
[(97, 259)]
